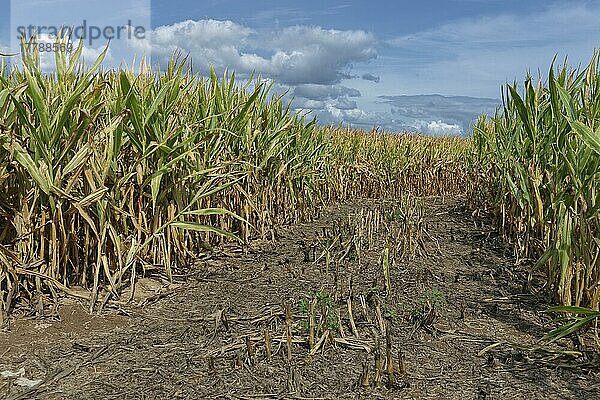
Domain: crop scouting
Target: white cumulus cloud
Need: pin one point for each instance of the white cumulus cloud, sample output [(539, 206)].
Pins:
[(438, 128), (292, 56)]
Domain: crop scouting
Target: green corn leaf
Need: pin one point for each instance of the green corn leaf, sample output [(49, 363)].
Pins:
[(38, 97), (543, 260), (589, 136), (92, 197), (78, 159), (156, 103), (566, 101), (573, 310), (569, 328), (25, 160), (155, 187)]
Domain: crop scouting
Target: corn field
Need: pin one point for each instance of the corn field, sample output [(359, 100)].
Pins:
[(538, 166), (107, 174), (388, 165)]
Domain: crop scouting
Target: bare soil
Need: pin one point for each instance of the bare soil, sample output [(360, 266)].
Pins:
[(204, 336)]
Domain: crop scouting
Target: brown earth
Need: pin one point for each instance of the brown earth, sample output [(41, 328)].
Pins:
[(204, 337)]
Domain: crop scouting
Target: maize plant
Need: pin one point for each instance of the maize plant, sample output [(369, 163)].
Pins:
[(538, 162)]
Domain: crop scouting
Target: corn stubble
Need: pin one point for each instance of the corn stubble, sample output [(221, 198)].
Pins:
[(105, 174)]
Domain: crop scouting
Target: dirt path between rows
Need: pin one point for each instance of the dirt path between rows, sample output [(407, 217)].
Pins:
[(204, 337)]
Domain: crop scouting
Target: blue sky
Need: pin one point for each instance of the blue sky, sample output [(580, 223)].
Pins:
[(369, 63)]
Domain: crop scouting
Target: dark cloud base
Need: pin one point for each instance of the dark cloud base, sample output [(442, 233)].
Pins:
[(436, 111)]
